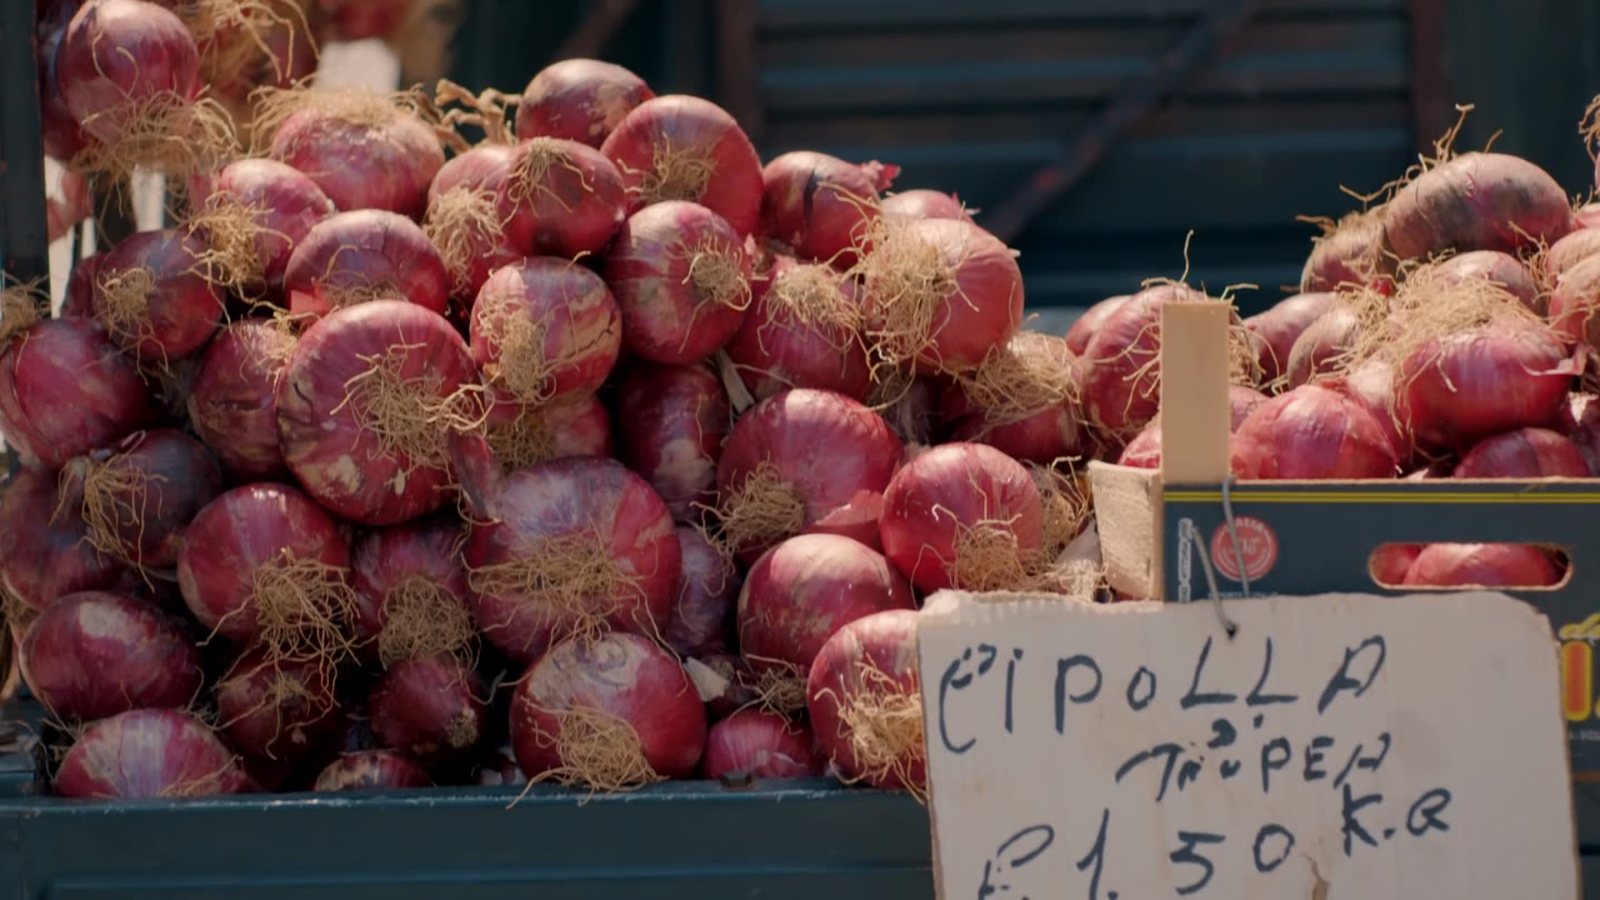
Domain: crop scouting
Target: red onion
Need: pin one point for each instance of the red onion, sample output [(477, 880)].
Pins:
[(1022, 400), (803, 330), (820, 205), (411, 589), (1348, 254), (65, 389), (139, 494), (48, 553), (1587, 215), (754, 743), (684, 148), (1086, 325), (1144, 451), (682, 278), (1122, 370), (724, 682), (255, 44), (366, 406), (92, 655), (1476, 201), (1371, 385), (153, 298), (910, 406), (1498, 268), (233, 402), (1524, 453), (703, 618), (940, 293), (78, 303), (365, 150), (1281, 326), (963, 516), (264, 563), (905, 206), (865, 702), (371, 770), (1390, 563), (1462, 387), (611, 714), (580, 100), (1576, 301), (571, 200), (355, 257), (471, 221), (257, 212), (804, 461), (798, 594), (1312, 432), (580, 427), (576, 545), (671, 422), (1485, 566), (1328, 343), (1585, 433), (429, 709), (147, 754), (64, 138), (545, 330), (278, 709)]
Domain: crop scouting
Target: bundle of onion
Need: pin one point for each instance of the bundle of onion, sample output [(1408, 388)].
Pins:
[(803, 461), (519, 439), (1023, 400), (155, 296), (671, 422), (366, 407), (865, 702), (233, 403), (579, 100), (356, 257), (612, 714), (255, 215), (137, 497), (146, 754), (803, 330), (1312, 432), (679, 147), (278, 709), (1356, 318), (544, 330), (48, 554), (820, 206)]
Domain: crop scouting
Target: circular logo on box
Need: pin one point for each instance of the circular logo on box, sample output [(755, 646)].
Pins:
[(1258, 543)]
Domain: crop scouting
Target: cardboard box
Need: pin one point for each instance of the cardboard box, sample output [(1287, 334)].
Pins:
[(1161, 532)]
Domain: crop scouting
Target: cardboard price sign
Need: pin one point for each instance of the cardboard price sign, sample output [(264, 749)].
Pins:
[(1335, 746)]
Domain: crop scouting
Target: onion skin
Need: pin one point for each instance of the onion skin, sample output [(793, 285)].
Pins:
[(799, 593), (287, 204), (1116, 398), (48, 555), (830, 449), (689, 125), (1312, 432), (381, 559), (579, 427), (1524, 453), (775, 348), (1575, 248), (1281, 326), (579, 100), (1484, 565), (737, 687), (183, 309), (1048, 435), (820, 205), (368, 251), (1352, 255), (1144, 451), (371, 770), (1575, 302), (1372, 386), (581, 324), (240, 531), (1585, 433), (482, 170), (945, 490), (64, 138), (93, 655), (360, 166), (1495, 267), (563, 499), (623, 675), (327, 438), (79, 300), (575, 208), (755, 743), (146, 754), (1587, 215), (1476, 201), (1083, 330), (429, 710), (671, 423), (174, 476), (233, 403), (904, 206), (118, 55), (1515, 377), (1323, 346), (885, 642), (66, 389), (281, 710), (665, 316), (704, 616), (1391, 562)]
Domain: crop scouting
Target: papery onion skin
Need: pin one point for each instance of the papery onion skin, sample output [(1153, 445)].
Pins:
[(384, 559), (704, 616), (576, 206), (1390, 563), (1575, 248), (233, 404), (1484, 565), (885, 643), (79, 300), (1496, 267), (1323, 347), (66, 389), (623, 675), (1523, 453), (1575, 303), (1372, 385), (1312, 432), (671, 423), (149, 754), (1476, 201), (689, 125), (1585, 433), (118, 55), (1459, 389), (476, 179), (371, 770), (758, 744), (1349, 256), (48, 555), (579, 100), (365, 254), (91, 655), (64, 138)]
